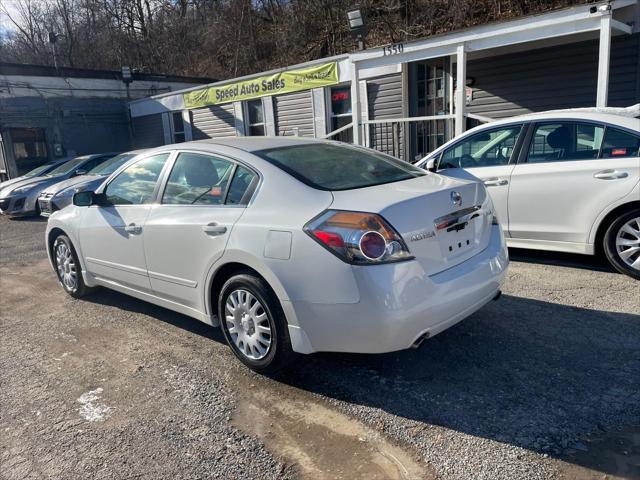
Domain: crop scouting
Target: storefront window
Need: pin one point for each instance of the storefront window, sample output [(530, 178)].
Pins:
[(341, 113), (29, 148), (178, 127), (255, 117)]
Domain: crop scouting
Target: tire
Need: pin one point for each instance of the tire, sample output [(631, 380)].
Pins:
[(621, 243), (68, 267), (254, 325)]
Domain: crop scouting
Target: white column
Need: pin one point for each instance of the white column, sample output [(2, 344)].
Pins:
[(604, 55), (269, 116), (319, 112), (460, 100), (186, 120), (238, 113), (355, 103)]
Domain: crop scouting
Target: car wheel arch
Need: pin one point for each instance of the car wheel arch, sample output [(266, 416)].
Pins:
[(606, 221), (221, 272)]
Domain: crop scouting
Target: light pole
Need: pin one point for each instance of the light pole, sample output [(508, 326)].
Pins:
[(357, 26)]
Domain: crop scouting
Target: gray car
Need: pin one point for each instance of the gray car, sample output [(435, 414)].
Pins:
[(21, 198), (59, 195), (36, 172)]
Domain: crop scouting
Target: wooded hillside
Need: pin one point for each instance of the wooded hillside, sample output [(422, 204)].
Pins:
[(226, 38)]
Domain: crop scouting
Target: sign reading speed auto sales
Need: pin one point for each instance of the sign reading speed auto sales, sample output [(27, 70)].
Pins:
[(282, 82)]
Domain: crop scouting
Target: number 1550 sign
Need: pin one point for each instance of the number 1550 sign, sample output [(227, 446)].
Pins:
[(393, 49)]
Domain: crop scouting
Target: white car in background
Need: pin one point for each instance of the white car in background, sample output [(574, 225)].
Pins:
[(294, 245), (566, 181)]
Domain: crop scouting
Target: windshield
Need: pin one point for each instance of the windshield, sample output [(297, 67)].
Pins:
[(339, 167), (111, 165), (66, 167), (42, 169)]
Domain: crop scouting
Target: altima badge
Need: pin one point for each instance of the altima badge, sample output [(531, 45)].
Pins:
[(456, 198), (422, 236)]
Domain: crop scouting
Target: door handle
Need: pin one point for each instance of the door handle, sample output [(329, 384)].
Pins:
[(496, 182), (610, 175), (214, 229), (133, 229)]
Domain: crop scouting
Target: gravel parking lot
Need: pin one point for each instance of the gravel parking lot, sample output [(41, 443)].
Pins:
[(541, 384)]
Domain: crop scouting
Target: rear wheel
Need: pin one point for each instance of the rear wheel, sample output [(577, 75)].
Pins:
[(622, 243), (68, 267), (253, 324)]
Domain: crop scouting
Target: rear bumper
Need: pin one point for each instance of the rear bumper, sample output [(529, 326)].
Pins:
[(399, 304)]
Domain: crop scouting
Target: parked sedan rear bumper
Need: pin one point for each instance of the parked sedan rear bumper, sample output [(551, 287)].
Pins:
[(400, 304)]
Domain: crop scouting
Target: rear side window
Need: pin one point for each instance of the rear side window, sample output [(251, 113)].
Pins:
[(136, 183), (242, 186), (565, 141), (618, 143), (339, 167), (197, 179)]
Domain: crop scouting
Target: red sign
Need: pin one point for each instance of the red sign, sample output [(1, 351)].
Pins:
[(618, 152)]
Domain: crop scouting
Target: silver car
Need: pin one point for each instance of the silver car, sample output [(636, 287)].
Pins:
[(21, 198), (59, 195)]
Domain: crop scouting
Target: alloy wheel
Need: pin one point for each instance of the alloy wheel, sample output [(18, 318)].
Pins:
[(248, 324), (66, 267), (628, 243)]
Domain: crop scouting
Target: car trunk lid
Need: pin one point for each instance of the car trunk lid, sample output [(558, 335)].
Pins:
[(443, 221)]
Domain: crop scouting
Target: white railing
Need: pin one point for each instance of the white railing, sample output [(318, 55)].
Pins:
[(338, 131), (408, 137)]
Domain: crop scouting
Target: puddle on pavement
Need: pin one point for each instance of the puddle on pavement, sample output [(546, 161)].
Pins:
[(323, 443), (612, 456)]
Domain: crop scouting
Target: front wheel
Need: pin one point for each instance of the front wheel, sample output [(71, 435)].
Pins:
[(253, 324), (622, 243), (68, 267)]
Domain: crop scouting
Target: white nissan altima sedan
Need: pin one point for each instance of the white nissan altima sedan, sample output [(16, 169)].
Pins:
[(297, 246)]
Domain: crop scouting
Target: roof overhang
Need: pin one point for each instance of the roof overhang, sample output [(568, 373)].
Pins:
[(552, 25)]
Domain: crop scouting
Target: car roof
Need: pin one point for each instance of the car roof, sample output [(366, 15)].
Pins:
[(253, 144), (587, 114)]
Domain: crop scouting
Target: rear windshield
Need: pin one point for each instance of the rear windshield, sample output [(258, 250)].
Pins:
[(339, 167), (111, 165), (66, 167)]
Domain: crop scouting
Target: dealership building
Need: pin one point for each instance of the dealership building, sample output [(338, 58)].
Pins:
[(407, 99), (51, 112)]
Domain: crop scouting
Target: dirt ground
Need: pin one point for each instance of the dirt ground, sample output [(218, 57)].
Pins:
[(541, 384)]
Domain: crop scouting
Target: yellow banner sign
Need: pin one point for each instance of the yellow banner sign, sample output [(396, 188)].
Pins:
[(283, 82)]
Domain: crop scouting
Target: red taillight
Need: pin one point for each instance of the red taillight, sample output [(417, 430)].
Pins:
[(329, 239), (358, 237)]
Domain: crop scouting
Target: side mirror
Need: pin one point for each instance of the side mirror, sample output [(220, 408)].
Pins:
[(88, 198), (83, 199), (431, 165), (79, 172)]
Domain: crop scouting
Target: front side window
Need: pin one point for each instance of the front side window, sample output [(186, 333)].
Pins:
[(565, 141), (255, 116), (67, 167), (618, 143), (339, 167), (197, 179), (483, 149), (135, 184)]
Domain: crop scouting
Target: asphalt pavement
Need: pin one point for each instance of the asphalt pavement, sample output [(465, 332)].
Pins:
[(542, 384)]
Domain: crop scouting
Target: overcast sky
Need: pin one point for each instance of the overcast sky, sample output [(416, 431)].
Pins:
[(5, 24)]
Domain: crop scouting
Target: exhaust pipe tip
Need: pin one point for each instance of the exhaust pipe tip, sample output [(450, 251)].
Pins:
[(498, 295)]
